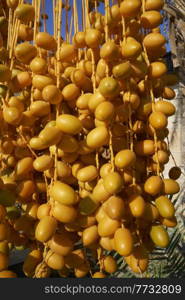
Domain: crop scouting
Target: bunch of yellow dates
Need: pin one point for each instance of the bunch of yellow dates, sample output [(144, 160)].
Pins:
[(83, 141)]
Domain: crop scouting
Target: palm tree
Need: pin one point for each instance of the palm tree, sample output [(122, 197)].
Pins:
[(175, 13)]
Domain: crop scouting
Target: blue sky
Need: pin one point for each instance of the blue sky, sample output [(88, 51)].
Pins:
[(49, 11)]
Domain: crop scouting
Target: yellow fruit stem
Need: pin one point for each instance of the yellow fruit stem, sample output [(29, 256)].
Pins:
[(152, 99)]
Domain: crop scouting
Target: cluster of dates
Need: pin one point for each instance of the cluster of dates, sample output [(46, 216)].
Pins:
[(83, 141)]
